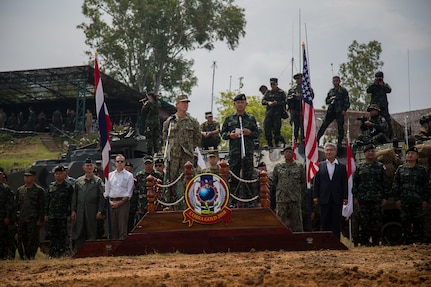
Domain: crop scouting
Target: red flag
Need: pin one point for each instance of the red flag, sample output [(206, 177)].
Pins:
[(103, 118), (351, 167), (311, 152)]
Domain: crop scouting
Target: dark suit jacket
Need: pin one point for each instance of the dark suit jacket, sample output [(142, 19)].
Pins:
[(325, 189)]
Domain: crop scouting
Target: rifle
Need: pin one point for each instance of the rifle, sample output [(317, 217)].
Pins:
[(242, 137)]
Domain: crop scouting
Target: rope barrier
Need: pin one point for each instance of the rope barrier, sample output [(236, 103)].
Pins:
[(245, 200), (171, 184), (172, 203), (243, 180)]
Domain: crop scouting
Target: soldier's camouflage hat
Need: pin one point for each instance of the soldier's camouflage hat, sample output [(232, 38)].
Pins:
[(373, 107), (148, 159), (368, 147), (212, 153), (240, 97), (286, 148), (273, 80), (297, 76), (59, 168), (182, 98), (413, 148), (208, 114), (29, 171)]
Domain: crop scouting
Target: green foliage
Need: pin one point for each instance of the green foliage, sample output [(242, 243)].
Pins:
[(4, 138), (363, 62), (254, 107), (142, 42)]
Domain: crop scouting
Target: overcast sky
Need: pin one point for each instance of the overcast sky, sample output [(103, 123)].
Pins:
[(43, 34)]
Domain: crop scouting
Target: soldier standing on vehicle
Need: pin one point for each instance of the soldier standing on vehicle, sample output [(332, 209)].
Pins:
[(289, 181), (425, 130), (370, 191), (411, 194), (30, 203), (379, 90), (210, 131), (275, 102), (338, 103), (150, 110), (58, 202), (241, 130)]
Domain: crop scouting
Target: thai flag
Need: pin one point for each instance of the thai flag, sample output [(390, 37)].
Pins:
[(351, 167), (311, 152), (103, 119)]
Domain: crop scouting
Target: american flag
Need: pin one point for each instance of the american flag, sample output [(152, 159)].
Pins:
[(311, 153), (105, 125), (351, 167)]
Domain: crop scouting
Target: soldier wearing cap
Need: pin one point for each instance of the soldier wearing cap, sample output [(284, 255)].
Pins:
[(142, 183), (425, 129), (30, 203), (210, 131), (184, 136), (375, 126), (58, 202), (379, 90), (411, 193), (159, 165), (213, 159), (289, 181), (371, 190), (88, 204), (150, 114), (294, 102), (6, 216), (275, 102), (338, 103), (231, 131)]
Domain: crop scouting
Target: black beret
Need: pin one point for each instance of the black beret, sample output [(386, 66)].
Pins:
[(273, 80), (159, 160), (373, 107), (369, 146), (240, 97), (29, 171), (59, 168), (297, 76), (261, 164), (88, 160), (379, 75), (128, 163), (413, 148)]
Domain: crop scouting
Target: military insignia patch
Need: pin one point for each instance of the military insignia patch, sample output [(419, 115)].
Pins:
[(206, 197)]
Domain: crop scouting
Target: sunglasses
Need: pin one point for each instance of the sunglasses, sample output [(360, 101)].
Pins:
[(120, 161), (158, 165)]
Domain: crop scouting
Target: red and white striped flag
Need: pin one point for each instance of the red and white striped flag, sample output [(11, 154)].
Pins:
[(311, 152), (103, 118), (351, 167), (294, 147)]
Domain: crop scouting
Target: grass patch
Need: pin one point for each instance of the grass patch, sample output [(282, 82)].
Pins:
[(19, 153)]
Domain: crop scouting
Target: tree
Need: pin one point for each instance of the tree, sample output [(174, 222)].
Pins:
[(254, 107), (142, 42), (363, 62)]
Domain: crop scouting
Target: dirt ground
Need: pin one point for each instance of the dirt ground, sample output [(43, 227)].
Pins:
[(361, 266)]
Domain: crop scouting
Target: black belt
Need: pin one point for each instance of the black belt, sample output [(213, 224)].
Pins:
[(116, 198)]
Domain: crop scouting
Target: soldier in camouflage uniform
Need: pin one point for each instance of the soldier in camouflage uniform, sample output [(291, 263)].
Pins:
[(379, 90), (425, 130), (241, 167), (213, 162), (159, 165), (210, 131), (58, 201), (370, 192), (6, 216), (294, 102), (376, 127), (338, 103), (275, 102), (142, 184), (289, 180), (411, 194), (30, 203), (184, 136), (150, 111)]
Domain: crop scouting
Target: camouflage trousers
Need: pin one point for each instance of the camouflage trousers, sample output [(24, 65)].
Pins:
[(242, 168), (329, 118), (153, 138), (57, 230), (174, 168), (370, 222), (28, 240), (290, 214), (296, 120), (412, 217), (272, 126)]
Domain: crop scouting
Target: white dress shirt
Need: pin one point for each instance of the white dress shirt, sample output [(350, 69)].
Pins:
[(119, 184), (331, 167)]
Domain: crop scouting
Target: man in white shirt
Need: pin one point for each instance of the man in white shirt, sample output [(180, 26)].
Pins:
[(119, 189)]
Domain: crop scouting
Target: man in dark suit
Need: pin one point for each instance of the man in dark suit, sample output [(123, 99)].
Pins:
[(330, 190)]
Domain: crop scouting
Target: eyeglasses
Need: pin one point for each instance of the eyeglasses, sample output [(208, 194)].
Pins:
[(120, 161)]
